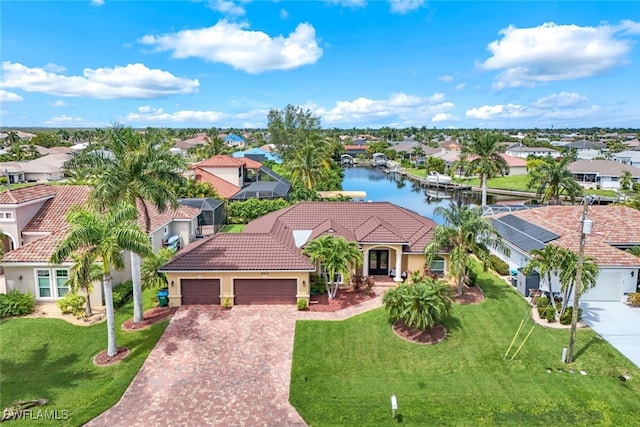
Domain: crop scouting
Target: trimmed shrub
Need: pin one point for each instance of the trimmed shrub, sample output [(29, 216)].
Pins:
[(550, 314), (72, 304), (499, 266), (566, 316), (122, 292), (302, 304), (543, 303), (248, 210), (16, 303), (317, 285), (634, 299)]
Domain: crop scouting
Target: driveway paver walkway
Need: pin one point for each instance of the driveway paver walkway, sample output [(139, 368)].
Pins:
[(219, 367)]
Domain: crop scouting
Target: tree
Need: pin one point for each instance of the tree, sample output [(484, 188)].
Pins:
[(336, 255), (552, 180), (310, 163), (489, 163), (568, 269), (137, 168), (84, 271), (11, 138), (464, 231), (420, 305), (195, 189), (105, 236), (289, 128), (626, 180), (151, 275), (546, 261)]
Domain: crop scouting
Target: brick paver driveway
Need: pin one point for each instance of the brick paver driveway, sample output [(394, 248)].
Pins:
[(210, 367)]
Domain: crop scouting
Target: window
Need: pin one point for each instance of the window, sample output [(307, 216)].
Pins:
[(337, 277), (61, 282), (44, 283), (437, 265), (6, 216)]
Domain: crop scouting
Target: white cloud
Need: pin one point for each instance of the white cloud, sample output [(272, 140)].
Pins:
[(444, 117), (284, 15), (97, 2), (251, 51), (65, 120), (148, 115), (353, 4), (559, 100), (488, 112), (405, 6), (446, 78), (55, 68), (408, 109), (130, 81), (58, 104), (9, 96), (460, 86), (551, 52), (227, 7)]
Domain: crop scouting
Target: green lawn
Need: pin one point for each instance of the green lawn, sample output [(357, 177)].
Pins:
[(52, 359), (233, 228), (344, 373)]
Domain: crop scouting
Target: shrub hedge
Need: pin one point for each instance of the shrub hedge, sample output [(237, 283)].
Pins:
[(16, 303), (122, 292)]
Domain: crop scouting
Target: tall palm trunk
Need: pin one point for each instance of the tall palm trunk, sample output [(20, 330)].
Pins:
[(484, 190), (87, 305), (136, 278), (112, 348)]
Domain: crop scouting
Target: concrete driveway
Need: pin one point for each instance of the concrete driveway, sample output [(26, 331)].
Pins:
[(617, 323)]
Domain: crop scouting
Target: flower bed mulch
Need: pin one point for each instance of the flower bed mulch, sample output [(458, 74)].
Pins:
[(102, 359), (152, 316), (434, 335), (344, 298), (470, 295)]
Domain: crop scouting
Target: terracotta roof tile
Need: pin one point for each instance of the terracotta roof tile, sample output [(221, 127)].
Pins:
[(331, 227), (26, 194), (239, 252), (37, 251), (52, 216), (225, 189), (159, 219), (222, 161), (376, 230)]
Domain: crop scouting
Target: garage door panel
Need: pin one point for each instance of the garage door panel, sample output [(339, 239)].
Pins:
[(608, 288), (200, 291), (265, 291)]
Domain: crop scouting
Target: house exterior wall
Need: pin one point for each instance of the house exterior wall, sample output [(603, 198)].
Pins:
[(413, 262), (21, 217), (233, 175), (518, 170), (43, 176), (226, 282)]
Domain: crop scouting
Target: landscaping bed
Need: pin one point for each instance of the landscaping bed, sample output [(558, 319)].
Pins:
[(344, 298)]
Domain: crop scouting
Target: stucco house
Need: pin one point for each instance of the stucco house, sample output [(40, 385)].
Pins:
[(522, 151), (604, 174), (33, 220), (43, 169), (241, 178), (265, 263), (616, 228)]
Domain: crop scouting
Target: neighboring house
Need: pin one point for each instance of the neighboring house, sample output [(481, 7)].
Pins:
[(583, 144), (354, 150), (241, 178), (615, 228), (604, 174), (628, 157), (212, 215), (515, 165), (450, 145), (591, 154), (408, 147), (259, 155), (523, 152), (265, 264), (33, 220), (233, 140), (42, 169)]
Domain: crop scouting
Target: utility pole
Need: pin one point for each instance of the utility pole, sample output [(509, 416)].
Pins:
[(585, 228)]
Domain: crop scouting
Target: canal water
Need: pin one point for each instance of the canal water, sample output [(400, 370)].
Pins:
[(383, 187)]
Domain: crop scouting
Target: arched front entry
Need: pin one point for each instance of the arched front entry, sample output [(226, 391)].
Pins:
[(378, 262)]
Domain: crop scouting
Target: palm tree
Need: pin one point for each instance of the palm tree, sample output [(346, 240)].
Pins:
[(138, 168), (417, 152), (421, 305), (626, 180), (151, 275), (310, 162), (464, 231), (489, 163), (552, 180), (337, 256), (11, 138), (568, 268), (105, 236), (546, 261), (82, 274)]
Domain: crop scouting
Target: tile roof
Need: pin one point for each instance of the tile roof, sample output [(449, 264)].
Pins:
[(613, 226), (224, 188), (602, 167), (376, 230), (158, 219), (223, 161), (26, 194), (52, 216), (239, 252), (37, 251)]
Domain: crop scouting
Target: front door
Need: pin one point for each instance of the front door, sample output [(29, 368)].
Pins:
[(378, 262)]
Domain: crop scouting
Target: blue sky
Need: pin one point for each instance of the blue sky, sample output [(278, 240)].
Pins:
[(358, 63)]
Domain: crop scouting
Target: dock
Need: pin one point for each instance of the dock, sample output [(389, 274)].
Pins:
[(354, 195)]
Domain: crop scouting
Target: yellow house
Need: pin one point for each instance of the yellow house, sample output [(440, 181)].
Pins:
[(265, 264)]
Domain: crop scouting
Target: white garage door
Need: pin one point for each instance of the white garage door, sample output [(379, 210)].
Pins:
[(608, 288)]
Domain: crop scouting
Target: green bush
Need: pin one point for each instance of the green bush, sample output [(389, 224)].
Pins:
[(550, 314), (122, 292), (565, 319), (542, 304), (16, 303), (318, 285), (499, 266), (226, 303), (636, 187), (302, 304), (248, 210), (72, 304), (634, 299)]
